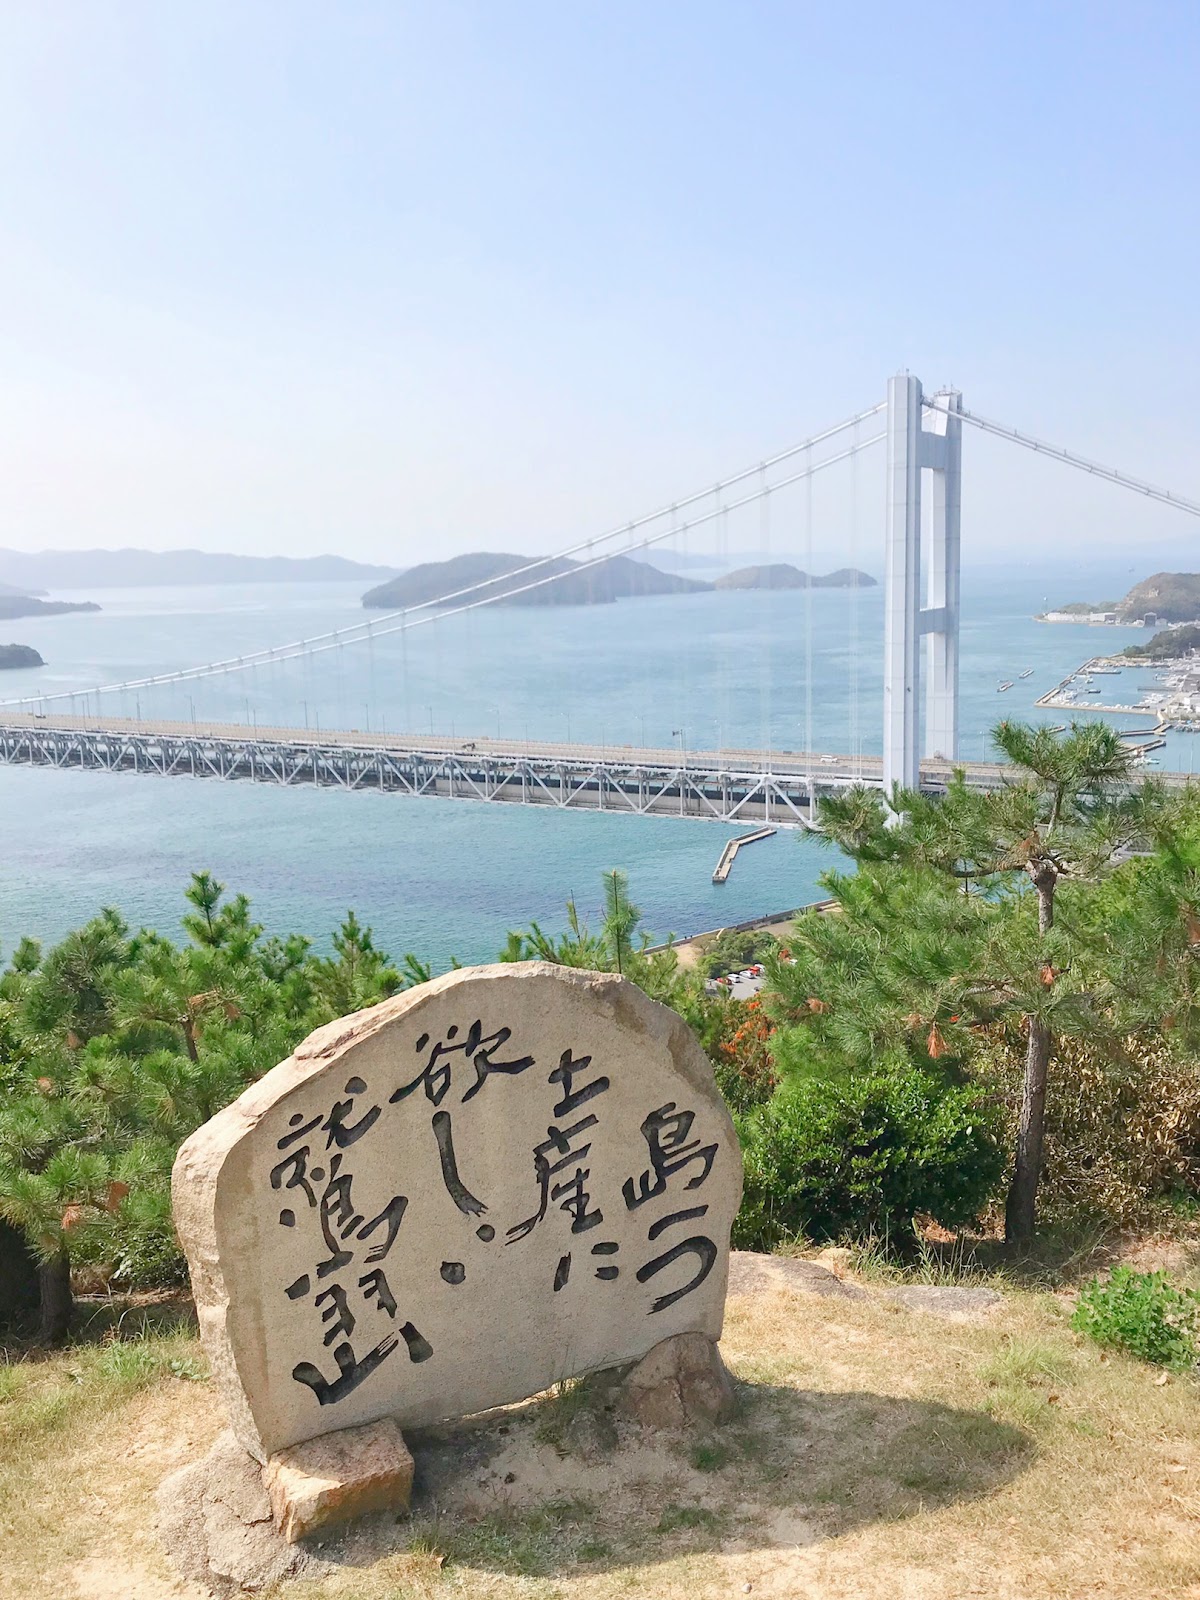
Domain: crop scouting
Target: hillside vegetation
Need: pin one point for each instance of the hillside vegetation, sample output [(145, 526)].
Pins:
[(1169, 596), (1167, 645)]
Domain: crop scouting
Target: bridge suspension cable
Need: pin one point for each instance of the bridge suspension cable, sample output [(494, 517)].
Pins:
[(1056, 453), (438, 609)]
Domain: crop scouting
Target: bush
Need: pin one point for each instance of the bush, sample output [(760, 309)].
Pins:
[(862, 1156), (736, 1034), (1143, 1313), (730, 951), (1122, 1126)]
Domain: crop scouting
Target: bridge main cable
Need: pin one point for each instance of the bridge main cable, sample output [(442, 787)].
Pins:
[(1056, 453), (439, 608)]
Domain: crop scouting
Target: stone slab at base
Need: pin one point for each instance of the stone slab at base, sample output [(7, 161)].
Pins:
[(338, 1476), (681, 1383)]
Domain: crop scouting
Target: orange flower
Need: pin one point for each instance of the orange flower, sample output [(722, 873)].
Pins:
[(116, 1193), (72, 1217)]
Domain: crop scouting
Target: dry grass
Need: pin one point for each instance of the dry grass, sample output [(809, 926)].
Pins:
[(879, 1453)]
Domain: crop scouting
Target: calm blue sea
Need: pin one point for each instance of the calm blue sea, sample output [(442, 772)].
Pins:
[(446, 878)]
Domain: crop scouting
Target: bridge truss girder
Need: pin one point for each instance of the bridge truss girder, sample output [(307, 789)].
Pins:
[(717, 793)]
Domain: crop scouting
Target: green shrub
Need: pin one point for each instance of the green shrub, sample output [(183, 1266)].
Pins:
[(1143, 1313), (730, 950), (863, 1156)]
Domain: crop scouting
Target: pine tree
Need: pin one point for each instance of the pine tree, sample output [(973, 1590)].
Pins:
[(1067, 814)]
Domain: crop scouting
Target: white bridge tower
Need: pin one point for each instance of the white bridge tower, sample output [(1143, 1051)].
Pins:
[(921, 597)]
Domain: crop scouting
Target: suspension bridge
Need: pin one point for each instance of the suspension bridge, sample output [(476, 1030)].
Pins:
[(92, 730)]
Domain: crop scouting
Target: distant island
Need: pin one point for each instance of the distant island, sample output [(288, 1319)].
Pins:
[(137, 569), (492, 576), (1163, 597), (9, 590), (18, 605), (782, 575), (19, 655)]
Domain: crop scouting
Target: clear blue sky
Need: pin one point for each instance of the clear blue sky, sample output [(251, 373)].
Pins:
[(400, 279)]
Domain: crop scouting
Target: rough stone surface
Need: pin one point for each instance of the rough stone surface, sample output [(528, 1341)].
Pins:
[(836, 1258), (338, 1476), (214, 1518), (500, 1179), (946, 1300), (751, 1273), (681, 1383)]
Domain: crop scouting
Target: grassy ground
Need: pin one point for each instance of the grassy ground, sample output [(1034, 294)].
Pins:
[(879, 1452)]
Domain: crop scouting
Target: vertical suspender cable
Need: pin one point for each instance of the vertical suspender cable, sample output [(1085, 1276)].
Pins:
[(721, 685), (855, 735), (808, 617), (766, 636)]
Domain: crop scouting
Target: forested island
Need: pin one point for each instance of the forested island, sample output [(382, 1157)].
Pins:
[(135, 569), (499, 577), (13, 656), (782, 575), (18, 605), (1163, 597)]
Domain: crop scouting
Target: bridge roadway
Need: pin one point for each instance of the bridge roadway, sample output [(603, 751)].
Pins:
[(777, 787)]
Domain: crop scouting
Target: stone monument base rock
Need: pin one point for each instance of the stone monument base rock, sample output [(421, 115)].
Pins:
[(338, 1476), (681, 1383)]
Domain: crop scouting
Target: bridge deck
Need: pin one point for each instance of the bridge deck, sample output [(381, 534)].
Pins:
[(776, 787)]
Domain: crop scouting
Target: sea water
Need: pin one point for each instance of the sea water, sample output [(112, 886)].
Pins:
[(721, 670)]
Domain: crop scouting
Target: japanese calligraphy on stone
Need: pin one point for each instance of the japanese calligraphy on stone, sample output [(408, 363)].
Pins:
[(503, 1178)]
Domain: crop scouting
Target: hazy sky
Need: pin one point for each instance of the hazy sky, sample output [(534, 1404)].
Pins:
[(402, 279)]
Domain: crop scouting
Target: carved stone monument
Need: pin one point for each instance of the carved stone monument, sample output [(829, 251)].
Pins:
[(506, 1177)]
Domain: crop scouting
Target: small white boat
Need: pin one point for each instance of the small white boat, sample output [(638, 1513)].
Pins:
[(1004, 686), (1028, 673)]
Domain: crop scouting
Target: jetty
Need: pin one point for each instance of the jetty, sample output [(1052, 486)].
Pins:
[(729, 855)]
